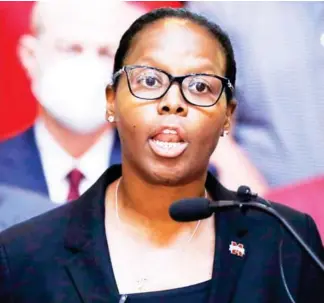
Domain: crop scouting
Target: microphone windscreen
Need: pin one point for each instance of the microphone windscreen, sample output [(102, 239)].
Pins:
[(187, 210)]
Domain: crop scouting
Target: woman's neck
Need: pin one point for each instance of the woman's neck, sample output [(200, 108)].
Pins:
[(145, 207), (153, 200)]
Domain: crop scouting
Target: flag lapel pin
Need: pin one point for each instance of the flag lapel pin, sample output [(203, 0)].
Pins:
[(237, 249)]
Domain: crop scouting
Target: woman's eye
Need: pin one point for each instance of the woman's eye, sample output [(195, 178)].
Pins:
[(199, 87), (149, 81)]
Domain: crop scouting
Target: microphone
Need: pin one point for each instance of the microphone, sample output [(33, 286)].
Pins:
[(187, 210), (194, 209)]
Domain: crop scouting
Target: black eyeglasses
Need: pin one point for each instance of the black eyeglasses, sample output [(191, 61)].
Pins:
[(150, 83)]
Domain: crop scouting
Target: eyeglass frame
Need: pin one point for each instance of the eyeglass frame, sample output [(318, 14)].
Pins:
[(226, 83)]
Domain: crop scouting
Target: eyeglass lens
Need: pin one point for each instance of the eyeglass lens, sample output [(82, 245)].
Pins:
[(148, 83)]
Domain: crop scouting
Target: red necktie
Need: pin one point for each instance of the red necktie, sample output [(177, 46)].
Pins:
[(74, 178)]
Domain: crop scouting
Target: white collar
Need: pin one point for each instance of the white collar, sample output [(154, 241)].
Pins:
[(57, 163)]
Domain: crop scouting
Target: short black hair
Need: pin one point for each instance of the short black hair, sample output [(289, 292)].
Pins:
[(179, 13)]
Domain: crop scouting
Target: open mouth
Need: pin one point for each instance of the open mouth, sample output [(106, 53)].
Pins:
[(168, 143)]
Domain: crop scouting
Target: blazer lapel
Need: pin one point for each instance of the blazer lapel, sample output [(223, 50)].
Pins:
[(233, 244), (237, 230), (233, 240), (85, 239), (86, 278)]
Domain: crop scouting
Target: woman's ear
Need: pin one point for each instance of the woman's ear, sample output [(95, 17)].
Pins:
[(230, 117), (110, 103), (231, 106)]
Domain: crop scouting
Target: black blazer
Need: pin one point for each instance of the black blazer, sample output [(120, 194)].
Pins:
[(62, 256)]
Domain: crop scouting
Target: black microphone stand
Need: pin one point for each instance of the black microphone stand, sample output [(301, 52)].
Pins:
[(246, 197)]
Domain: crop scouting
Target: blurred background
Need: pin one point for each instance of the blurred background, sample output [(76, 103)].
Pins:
[(56, 58)]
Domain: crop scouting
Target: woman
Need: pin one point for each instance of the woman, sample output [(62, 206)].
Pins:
[(171, 99)]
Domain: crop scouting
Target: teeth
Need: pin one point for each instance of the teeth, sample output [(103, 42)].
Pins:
[(169, 131), (168, 145)]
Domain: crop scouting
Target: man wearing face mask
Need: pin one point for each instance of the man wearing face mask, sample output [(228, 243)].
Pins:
[(69, 61)]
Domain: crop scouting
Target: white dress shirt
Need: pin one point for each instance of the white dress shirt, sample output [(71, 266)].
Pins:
[(57, 163)]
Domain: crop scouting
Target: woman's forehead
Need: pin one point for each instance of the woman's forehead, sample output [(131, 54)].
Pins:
[(177, 45)]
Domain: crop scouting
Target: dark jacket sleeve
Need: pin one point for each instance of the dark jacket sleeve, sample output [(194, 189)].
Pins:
[(312, 278), (5, 281)]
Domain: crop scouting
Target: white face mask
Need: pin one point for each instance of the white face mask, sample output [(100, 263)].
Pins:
[(73, 92)]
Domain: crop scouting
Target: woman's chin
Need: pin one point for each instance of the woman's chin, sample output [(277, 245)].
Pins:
[(170, 175)]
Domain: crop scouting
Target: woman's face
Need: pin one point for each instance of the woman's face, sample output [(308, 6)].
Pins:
[(169, 141)]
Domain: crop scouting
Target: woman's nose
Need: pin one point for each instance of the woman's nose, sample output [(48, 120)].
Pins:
[(173, 102)]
